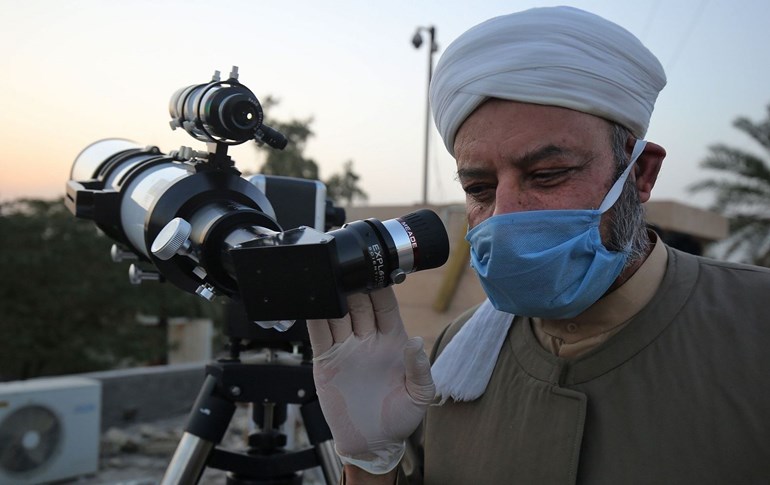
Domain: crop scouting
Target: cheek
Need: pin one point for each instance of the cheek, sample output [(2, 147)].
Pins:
[(475, 212)]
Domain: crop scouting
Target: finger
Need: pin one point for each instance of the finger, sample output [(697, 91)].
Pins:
[(419, 381), (386, 310), (341, 328), (361, 314), (321, 338)]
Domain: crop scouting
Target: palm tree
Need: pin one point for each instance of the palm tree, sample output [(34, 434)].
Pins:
[(743, 193)]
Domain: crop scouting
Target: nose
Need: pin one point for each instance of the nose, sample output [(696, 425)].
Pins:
[(507, 200)]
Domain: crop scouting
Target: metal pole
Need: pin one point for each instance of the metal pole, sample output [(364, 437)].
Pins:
[(330, 463), (431, 49), (188, 461)]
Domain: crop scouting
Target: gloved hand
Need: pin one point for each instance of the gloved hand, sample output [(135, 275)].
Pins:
[(373, 383)]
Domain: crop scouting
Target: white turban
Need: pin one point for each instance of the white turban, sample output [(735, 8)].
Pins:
[(557, 56)]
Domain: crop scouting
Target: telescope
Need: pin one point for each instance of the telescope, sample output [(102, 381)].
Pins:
[(274, 247), (191, 218)]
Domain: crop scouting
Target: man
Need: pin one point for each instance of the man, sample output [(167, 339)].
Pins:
[(601, 355)]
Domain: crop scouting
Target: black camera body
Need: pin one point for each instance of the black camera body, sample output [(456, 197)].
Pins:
[(195, 221)]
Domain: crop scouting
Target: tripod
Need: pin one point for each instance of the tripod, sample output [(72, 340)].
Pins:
[(269, 387)]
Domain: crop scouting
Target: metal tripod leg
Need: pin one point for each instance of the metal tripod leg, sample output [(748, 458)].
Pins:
[(206, 426), (330, 463), (320, 437), (188, 461)]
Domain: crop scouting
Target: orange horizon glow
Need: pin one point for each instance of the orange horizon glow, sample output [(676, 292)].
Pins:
[(77, 72)]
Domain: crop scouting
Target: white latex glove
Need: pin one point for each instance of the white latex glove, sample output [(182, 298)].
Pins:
[(373, 383)]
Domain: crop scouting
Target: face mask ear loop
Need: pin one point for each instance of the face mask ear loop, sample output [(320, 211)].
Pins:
[(617, 188)]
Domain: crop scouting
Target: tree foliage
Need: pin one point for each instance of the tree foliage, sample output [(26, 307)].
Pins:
[(292, 162), (65, 307), (343, 188), (742, 192)]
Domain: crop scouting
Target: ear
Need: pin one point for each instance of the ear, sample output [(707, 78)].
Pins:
[(647, 168)]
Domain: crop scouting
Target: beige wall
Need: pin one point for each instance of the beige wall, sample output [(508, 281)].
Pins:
[(670, 215)]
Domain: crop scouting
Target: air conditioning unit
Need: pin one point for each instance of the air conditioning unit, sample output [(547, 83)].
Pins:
[(49, 429)]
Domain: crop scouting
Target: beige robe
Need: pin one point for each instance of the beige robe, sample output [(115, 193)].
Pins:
[(680, 395)]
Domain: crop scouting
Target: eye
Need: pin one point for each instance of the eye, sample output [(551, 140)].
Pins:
[(550, 176), (479, 191)]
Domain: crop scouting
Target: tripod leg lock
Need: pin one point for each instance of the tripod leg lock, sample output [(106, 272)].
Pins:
[(211, 413)]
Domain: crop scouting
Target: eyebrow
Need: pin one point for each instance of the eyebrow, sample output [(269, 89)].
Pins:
[(523, 161)]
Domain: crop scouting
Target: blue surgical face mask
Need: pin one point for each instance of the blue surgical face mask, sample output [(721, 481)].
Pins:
[(547, 263)]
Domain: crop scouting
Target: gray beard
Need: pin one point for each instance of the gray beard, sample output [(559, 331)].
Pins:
[(629, 232)]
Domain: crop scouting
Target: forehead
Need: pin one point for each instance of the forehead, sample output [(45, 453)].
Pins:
[(500, 127)]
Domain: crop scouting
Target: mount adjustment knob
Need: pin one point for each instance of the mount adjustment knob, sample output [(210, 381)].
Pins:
[(171, 239)]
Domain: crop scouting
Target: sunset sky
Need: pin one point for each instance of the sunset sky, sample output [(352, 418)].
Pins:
[(80, 70)]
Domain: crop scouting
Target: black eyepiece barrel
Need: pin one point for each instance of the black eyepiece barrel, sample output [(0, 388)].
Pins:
[(373, 254), (431, 244)]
